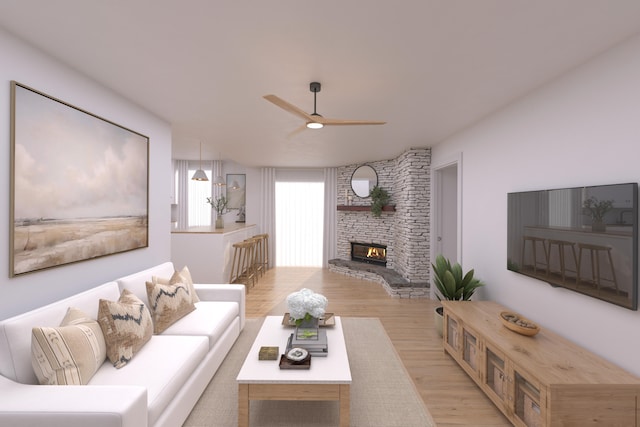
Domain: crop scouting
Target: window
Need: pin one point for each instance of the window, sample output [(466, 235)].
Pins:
[(199, 209), (299, 223)]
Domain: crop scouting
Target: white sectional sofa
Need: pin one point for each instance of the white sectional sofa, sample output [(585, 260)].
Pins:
[(158, 387)]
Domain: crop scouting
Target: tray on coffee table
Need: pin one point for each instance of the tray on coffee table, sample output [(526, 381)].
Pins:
[(328, 320)]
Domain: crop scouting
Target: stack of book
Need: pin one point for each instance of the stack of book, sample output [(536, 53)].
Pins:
[(312, 340)]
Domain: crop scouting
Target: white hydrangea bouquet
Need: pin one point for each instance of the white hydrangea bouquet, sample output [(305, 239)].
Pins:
[(306, 305)]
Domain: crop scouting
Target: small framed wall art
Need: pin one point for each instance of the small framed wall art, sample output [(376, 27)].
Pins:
[(236, 190)]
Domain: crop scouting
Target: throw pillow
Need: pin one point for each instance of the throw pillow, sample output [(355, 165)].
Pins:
[(168, 303), (126, 325), (70, 353), (182, 276)]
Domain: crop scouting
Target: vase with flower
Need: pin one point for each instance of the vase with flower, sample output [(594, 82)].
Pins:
[(220, 205), (306, 308)]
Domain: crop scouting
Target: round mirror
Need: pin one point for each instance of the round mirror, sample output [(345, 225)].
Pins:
[(364, 178)]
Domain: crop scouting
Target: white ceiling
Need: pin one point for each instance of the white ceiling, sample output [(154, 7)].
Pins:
[(429, 68)]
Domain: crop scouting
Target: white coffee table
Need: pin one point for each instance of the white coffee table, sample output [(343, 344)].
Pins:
[(329, 378)]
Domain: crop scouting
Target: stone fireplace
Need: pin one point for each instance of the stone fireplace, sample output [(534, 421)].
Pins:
[(404, 228)]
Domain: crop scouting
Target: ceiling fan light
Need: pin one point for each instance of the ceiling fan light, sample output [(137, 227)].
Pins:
[(200, 175), (314, 125)]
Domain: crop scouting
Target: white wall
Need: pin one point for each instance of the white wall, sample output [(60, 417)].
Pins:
[(582, 129), (35, 69)]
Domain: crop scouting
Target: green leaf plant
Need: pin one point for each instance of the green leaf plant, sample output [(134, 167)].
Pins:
[(379, 198), (450, 283)]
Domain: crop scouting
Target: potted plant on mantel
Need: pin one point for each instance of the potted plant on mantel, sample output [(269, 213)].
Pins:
[(379, 198), (451, 285)]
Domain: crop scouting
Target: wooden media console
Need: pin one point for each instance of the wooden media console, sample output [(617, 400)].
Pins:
[(543, 380)]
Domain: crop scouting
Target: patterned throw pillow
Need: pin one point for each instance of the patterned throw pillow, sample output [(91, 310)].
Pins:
[(69, 354), (126, 325), (168, 303), (182, 276)]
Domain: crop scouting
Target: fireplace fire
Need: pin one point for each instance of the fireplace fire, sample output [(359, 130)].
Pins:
[(370, 253)]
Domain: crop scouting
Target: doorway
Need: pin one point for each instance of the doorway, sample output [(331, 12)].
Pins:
[(447, 232)]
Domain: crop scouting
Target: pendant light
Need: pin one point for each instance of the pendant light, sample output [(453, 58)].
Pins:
[(200, 175)]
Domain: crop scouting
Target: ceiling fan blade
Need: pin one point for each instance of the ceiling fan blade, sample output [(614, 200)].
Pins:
[(288, 107), (340, 122), (297, 131)]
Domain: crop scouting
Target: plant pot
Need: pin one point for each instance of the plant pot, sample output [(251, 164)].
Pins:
[(438, 315), (598, 227), (219, 221)]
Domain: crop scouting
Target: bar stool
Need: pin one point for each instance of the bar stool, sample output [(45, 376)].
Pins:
[(562, 245), (534, 241), (259, 254), (242, 264), (594, 257), (264, 256)]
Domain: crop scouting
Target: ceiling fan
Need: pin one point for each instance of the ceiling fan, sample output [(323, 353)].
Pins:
[(315, 120)]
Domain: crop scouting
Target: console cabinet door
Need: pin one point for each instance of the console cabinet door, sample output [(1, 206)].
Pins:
[(495, 381), (451, 333), (529, 402), (471, 352)]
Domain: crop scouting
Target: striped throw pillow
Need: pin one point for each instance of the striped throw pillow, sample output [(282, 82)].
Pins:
[(70, 353)]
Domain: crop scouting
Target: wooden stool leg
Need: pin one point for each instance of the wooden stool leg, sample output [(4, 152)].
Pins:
[(613, 271), (232, 275)]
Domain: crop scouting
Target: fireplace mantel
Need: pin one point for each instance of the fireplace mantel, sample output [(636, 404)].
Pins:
[(353, 208)]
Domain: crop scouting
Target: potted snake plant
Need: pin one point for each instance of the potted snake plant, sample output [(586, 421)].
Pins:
[(452, 285)]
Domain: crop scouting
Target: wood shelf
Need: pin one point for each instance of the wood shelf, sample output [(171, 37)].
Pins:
[(367, 208)]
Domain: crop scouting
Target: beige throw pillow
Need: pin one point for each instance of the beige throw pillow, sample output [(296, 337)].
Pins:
[(126, 325), (168, 303), (69, 354), (182, 276)]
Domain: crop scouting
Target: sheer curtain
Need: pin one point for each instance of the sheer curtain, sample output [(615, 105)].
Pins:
[(181, 175), (216, 190), (330, 239), (299, 223), (268, 209)]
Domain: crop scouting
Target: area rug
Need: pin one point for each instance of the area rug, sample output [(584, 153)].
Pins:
[(382, 394)]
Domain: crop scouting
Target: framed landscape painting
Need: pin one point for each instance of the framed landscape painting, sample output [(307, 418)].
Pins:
[(79, 184)]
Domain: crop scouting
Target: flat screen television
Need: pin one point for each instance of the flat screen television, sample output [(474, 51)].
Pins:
[(584, 239)]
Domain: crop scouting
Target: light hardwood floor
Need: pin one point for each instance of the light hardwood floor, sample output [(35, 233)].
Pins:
[(451, 396)]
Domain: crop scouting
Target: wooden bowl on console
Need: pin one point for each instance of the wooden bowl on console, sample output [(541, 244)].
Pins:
[(519, 324)]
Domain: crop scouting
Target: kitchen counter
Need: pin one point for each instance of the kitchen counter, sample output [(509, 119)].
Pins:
[(229, 227), (208, 251)]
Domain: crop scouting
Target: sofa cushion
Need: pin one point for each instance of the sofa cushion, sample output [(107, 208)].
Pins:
[(168, 303), (15, 332), (163, 366), (182, 276), (137, 282), (70, 353), (210, 319), (126, 325)]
